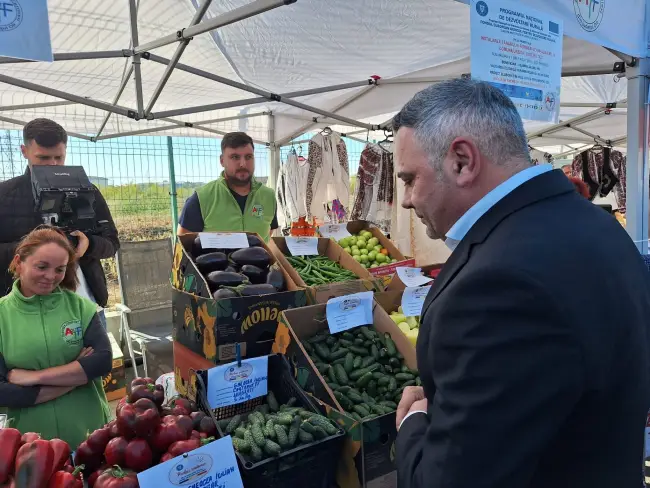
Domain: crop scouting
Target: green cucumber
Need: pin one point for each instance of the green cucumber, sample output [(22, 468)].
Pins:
[(304, 436), (233, 424), (341, 375), (339, 353), (355, 375), (348, 364), (364, 380), (272, 448), (362, 351), (273, 403), (357, 362), (365, 362), (241, 445), (404, 377), (322, 351), (390, 345)]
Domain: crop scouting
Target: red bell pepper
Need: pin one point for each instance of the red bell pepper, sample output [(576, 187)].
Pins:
[(115, 451), (61, 454), (168, 432), (94, 475), (64, 479), (180, 406), (196, 418), (98, 440), (166, 457), (120, 404), (9, 445), (116, 477), (112, 425), (138, 419), (208, 427), (138, 455), (88, 457), (142, 381), (181, 447), (186, 423), (34, 464), (30, 437), (155, 393)]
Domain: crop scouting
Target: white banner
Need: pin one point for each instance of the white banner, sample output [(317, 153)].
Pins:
[(25, 30), (616, 24)]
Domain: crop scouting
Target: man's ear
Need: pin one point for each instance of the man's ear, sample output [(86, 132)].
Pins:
[(466, 161)]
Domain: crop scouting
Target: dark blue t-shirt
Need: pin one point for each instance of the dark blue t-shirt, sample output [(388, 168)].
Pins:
[(192, 220)]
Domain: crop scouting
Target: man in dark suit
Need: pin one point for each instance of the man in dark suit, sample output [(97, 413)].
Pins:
[(534, 344)]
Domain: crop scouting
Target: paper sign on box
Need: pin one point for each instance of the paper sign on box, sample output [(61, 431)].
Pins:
[(349, 311), (334, 231), (302, 246), (413, 300), (412, 276), (231, 384), (222, 240)]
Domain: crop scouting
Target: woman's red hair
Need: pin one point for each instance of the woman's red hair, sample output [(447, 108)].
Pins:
[(580, 185), (46, 234)]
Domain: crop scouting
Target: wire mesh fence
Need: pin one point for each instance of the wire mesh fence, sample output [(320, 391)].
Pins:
[(133, 174)]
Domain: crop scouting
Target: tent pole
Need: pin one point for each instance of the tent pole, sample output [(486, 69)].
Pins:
[(594, 105), (125, 82), (576, 140), (637, 154), (580, 119), (68, 96), (177, 124), (23, 123), (172, 184), (274, 154), (133, 14), (323, 120), (208, 129), (180, 49), (340, 106), (249, 10), (124, 53), (28, 106)]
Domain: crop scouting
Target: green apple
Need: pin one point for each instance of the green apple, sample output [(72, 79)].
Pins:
[(374, 241), (378, 248), (372, 255), (348, 250), (364, 251)]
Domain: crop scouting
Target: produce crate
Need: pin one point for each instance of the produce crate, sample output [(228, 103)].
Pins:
[(307, 466), (330, 249), (212, 328), (115, 382), (388, 270), (367, 459)]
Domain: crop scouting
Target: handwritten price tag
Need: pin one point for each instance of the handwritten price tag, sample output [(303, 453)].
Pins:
[(223, 240), (302, 246), (413, 300), (349, 311), (230, 384)]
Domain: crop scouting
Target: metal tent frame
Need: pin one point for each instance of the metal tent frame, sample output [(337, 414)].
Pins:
[(637, 72)]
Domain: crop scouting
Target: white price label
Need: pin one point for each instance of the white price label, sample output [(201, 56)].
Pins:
[(223, 240), (231, 384), (349, 311), (302, 246), (413, 300), (334, 231), (412, 276)]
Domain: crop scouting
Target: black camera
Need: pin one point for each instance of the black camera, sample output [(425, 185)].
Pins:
[(65, 197)]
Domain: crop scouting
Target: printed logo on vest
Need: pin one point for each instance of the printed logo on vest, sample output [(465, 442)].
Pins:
[(258, 211), (72, 333)]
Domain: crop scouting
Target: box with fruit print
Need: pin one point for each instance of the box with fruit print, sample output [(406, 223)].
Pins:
[(212, 327), (370, 247), (368, 455)]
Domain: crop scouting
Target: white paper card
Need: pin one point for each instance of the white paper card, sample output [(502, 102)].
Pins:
[(413, 300), (302, 246), (349, 311), (213, 465), (25, 30), (223, 240), (230, 384), (518, 49), (412, 276), (3, 420), (334, 231)]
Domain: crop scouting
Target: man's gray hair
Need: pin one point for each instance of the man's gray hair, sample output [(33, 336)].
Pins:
[(465, 108)]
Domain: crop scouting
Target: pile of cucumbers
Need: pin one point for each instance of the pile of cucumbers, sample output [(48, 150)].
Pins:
[(363, 368), (272, 428)]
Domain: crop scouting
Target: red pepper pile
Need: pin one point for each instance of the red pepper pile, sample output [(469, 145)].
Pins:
[(28, 460), (145, 433)]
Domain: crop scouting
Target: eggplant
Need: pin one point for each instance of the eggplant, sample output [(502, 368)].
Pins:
[(254, 241), (255, 290), (222, 293), (275, 278), (217, 279), (257, 256), (232, 269), (198, 249), (254, 274), (213, 261)]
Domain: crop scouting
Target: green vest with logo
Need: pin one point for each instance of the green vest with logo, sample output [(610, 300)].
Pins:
[(42, 332), (222, 213)]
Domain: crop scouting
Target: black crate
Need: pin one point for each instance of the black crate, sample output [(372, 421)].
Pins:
[(307, 466)]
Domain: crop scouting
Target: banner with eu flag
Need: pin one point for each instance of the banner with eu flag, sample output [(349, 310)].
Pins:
[(25, 30)]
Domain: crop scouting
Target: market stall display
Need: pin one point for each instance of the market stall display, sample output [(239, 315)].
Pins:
[(320, 270)]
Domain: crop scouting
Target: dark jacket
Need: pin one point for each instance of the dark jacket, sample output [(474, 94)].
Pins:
[(18, 218), (534, 352)]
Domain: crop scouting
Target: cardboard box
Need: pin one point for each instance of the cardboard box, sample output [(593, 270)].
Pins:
[(388, 270), (322, 293), (212, 328), (186, 364), (369, 453), (431, 270), (115, 383)]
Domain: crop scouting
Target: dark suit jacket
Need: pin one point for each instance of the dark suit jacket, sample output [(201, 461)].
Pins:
[(534, 352), (18, 218)]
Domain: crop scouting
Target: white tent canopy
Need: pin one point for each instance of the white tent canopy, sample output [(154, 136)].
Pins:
[(301, 46)]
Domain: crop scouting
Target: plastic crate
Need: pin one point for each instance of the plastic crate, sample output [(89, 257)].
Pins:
[(306, 466)]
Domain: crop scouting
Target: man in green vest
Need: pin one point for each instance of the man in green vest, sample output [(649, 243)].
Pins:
[(236, 201)]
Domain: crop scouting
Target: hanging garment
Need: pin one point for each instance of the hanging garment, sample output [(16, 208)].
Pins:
[(284, 220), (329, 174), (603, 170), (373, 195), (296, 171), (539, 157)]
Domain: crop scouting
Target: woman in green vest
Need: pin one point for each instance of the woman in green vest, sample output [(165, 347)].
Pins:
[(53, 347)]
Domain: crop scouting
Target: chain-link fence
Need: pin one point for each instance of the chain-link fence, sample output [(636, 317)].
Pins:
[(134, 178)]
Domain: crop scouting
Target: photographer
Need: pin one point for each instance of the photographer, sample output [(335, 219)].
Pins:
[(45, 144)]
